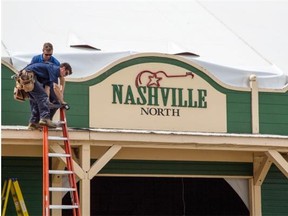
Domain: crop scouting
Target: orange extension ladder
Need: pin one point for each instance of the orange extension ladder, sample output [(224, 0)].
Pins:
[(69, 171)]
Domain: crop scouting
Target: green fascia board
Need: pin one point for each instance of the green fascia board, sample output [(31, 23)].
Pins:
[(177, 168)]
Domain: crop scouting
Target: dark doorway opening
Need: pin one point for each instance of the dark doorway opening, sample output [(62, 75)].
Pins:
[(163, 196)]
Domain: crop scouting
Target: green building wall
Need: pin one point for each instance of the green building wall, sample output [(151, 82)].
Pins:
[(275, 193), (273, 112), (273, 117), (77, 95), (28, 171)]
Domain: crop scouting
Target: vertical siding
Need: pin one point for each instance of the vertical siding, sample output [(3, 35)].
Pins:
[(28, 171), (275, 193)]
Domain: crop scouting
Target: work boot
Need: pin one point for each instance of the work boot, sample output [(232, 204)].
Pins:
[(33, 126), (47, 122)]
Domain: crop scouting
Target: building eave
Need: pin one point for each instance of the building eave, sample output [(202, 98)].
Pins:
[(153, 139)]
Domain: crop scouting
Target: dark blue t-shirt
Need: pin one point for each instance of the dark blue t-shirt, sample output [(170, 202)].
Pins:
[(46, 73), (39, 59)]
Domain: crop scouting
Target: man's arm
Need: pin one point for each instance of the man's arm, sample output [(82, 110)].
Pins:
[(62, 84), (59, 90)]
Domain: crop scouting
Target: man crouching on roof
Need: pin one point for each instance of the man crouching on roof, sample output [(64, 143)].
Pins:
[(45, 75)]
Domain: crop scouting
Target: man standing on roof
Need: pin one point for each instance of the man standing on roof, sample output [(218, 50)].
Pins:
[(55, 93), (45, 74)]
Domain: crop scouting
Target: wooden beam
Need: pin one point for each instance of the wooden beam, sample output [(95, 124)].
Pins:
[(255, 199), (262, 171), (254, 104), (279, 161), (57, 164), (103, 160), (154, 139), (85, 185), (77, 169), (149, 139), (57, 197)]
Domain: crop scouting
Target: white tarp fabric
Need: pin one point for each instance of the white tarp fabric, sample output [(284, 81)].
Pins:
[(269, 78), (241, 187), (231, 46), (83, 63), (86, 63)]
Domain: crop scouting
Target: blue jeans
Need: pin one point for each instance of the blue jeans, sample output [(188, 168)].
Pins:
[(38, 103)]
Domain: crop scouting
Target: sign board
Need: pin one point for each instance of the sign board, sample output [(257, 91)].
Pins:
[(157, 96)]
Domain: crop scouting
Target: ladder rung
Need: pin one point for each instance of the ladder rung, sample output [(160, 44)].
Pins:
[(57, 138), (60, 172), (63, 206), (58, 155), (61, 189), (48, 188)]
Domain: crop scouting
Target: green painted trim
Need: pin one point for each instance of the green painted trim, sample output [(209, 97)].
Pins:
[(177, 168)]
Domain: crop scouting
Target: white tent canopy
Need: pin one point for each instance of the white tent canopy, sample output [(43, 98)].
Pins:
[(233, 38)]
